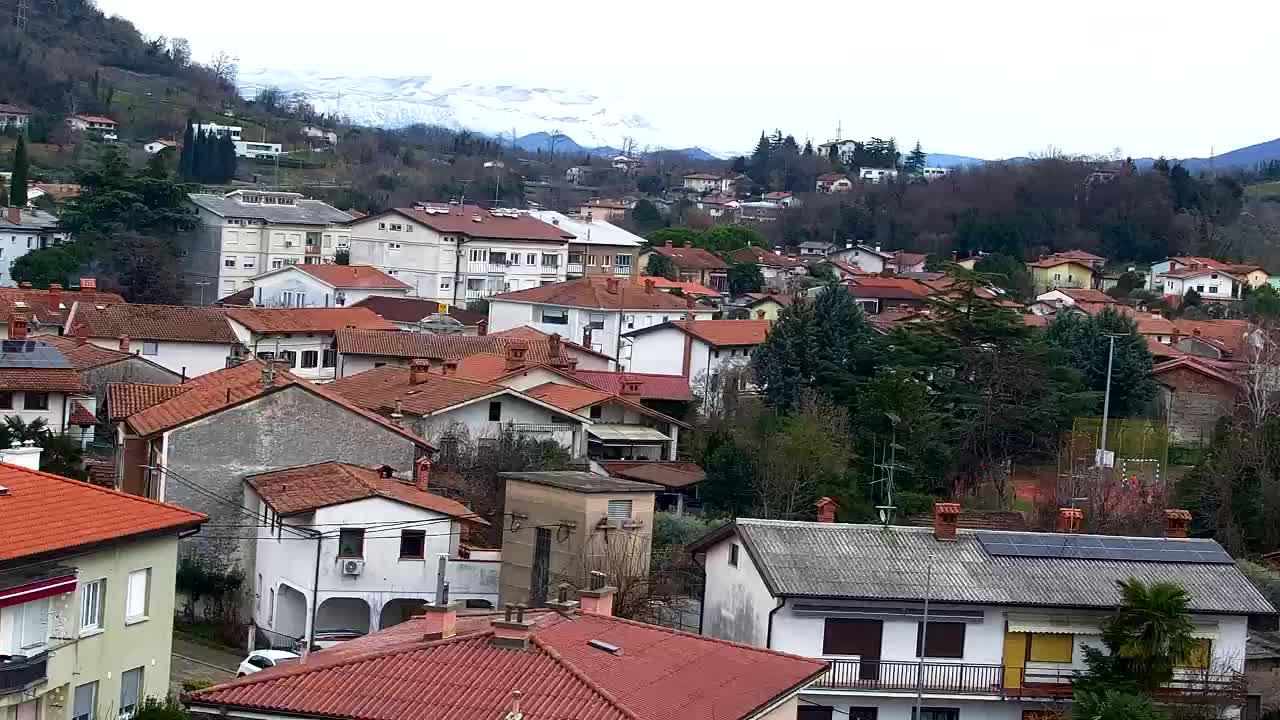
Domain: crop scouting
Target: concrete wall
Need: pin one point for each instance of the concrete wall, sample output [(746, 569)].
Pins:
[(515, 412), (736, 603), (505, 315), (268, 291), (78, 658), (132, 370), (194, 359), (659, 351), (424, 260), (285, 428), (55, 416)]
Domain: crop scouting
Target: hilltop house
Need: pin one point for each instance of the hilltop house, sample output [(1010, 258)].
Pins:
[(1010, 613), (833, 183), (1075, 269), (606, 209), (1252, 275), (14, 116), (874, 260)]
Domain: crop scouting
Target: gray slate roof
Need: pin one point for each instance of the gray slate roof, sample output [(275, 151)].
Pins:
[(305, 212), (840, 560), (31, 219), (584, 482)]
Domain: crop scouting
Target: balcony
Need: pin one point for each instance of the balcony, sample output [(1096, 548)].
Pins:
[(575, 268), (19, 672), (1189, 686), (624, 270)]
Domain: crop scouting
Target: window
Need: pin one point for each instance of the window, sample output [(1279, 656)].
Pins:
[(86, 701), (135, 607), (595, 321), (130, 691), (310, 358), (260, 661), (35, 401), (733, 554), (329, 358), (843, 636), (714, 353), (1213, 276), (531, 259), (91, 597), (1213, 289), (619, 510), (393, 246), (276, 264), (946, 640), (623, 261), (552, 316), (515, 259), (249, 263), (733, 353), (495, 411), (597, 412), (289, 358), (814, 712), (382, 226), (229, 261), (479, 255), (1048, 647), (497, 258), (413, 544), (351, 542), (550, 261), (150, 348), (396, 227), (32, 625), (935, 713), (1057, 276), (6, 401), (446, 283), (1199, 288)]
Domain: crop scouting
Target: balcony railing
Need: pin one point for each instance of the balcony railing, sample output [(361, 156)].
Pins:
[(1188, 686), (621, 269), (575, 268), (19, 672)]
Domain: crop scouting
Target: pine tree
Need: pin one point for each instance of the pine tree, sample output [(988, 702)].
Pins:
[(915, 161), (18, 182), (200, 158), (808, 148), (186, 161)]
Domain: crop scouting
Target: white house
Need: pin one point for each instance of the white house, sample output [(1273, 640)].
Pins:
[(13, 115), (594, 311), (1210, 283), (156, 146), (184, 339), (622, 428), (219, 130), (23, 230), (315, 132), (626, 164), (876, 175), (933, 173), (379, 559), (259, 150), (104, 127), (454, 253), (842, 150), (699, 350), (598, 247), (709, 183), (833, 183), (874, 260), (323, 286), (813, 248), (302, 339), (360, 350), (1009, 613), (245, 232)]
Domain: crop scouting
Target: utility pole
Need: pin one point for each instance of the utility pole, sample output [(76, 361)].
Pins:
[(924, 636), (1101, 460)]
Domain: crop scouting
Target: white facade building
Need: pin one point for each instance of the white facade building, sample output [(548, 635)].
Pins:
[(699, 350), (1211, 284), (156, 146), (454, 254), (1000, 639), (21, 231), (260, 150), (598, 247), (933, 173), (246, 232), (218, 130), (321, 286), (13, 115), (876, 175), (186, 340), (302, 339)]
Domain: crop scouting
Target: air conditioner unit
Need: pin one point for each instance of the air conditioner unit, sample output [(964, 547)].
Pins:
[(352, 567)]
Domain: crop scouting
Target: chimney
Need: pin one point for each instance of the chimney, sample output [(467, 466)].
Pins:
[(124, 343), (611, 284), (631, 387), (88, 284), (419, 368), (648, 286), (449, 368), (82, 334), (586, 337), (18, 326), (1176, 523), (760, 315), (945, 516), (827, 510), (482, 328), (512, 632), (553, 346), (515, 355), (422, 474), (598, 599), (265, 379), (15, 216), (23, 454), (441, 617), (562, 603), (1070, 519), (55, 291)]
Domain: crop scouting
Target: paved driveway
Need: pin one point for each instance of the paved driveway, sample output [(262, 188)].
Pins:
[(194, 661)]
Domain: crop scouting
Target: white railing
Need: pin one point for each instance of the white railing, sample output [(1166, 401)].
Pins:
[(575, 268)]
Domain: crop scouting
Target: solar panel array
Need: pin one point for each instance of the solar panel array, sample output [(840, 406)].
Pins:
[(30, 354), (1098, 547)]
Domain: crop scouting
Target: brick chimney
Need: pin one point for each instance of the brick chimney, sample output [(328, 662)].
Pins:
[(482, 328), (649, 284), (18, 326), (690, 301), (512, 632), (55, 292), (516, 352), (562, 602), (124, 343), (1070, 519), (827, 510), (15, 216), (631, 387), (88, 284), (449, 368), (611, 285), (422, 474), (1176, 523), (419, 368), (597, 599), (945, 517), (553, 346), (441, 617), (82, 334)]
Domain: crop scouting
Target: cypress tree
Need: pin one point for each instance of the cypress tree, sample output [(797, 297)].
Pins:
[(227, 155), (18, 183), (200, 158)]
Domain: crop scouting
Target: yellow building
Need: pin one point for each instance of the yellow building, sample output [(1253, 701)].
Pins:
[(770, 305), (1056, 271)]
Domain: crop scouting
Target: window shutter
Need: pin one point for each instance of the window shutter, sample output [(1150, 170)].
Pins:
[(619, 510), (137, 601)]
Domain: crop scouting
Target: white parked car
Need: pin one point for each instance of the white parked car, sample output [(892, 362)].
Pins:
[(263, 659)]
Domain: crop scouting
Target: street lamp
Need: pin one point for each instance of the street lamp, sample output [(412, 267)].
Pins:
[(202, 284), (924, 637), (1101, 460)]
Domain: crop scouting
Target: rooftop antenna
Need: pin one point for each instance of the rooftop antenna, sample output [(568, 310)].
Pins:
[(888, 467)]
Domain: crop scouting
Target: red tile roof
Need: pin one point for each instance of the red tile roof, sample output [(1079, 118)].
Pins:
[(81, 416), (353, 276), (652, 385), (688, 288), (538, 343), (292, 320), (888, 288), (909, 259), (460, 220), (378, 390), (183, 323), (1086, 295), (125, 399), (1080, 255), (717, 333), (593, 292), (1149, 324), (757, 298), (1190, 362), (97, 119), (568, 397), (660, 674), (1053, 261), (669, 474), (46, 513), (411, 309), (691, 258), (847, 268), (42, 379), (84, 355), (1160, 351), (1229, 333), (49, 308), (451, 347), (1190, 272), (761, 256), (305, 488), (832, 177)]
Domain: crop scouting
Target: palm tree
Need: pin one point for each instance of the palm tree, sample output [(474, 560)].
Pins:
[(1150, 633)]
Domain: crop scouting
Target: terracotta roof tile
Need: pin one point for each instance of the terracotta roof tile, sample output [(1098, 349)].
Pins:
[(669, 474), (653, 386), (395, 674), (184, 323), (410, 309), (1056, 261), (1086, 295), (568, 397), (1194, 364), (81, 416), (309, 487), (909, 259), (691, 258), (46, 307), (718, 333), (449, 347), (760, 256), (377, 390), (284, 320), (539, 349), (47, 513), (1149, 324), (42, 379), (125, 399), (1160, 351), (459, 220), (84, 355), (688, 288), (352, 276), (593, 292), (1080, 255)]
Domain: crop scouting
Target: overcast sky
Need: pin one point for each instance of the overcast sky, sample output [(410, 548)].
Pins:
[(988, 78)]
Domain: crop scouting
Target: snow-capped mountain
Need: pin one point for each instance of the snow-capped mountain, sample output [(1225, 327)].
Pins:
[(591, 120)]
